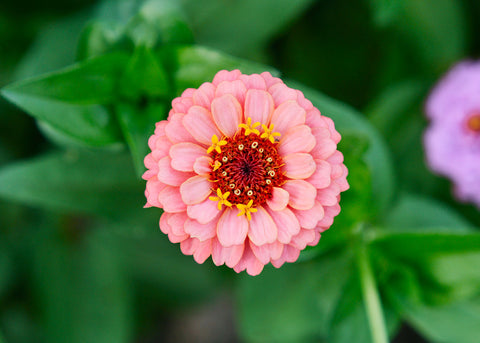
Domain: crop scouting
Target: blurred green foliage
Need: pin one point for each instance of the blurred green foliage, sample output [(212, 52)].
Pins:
[(82, 261)]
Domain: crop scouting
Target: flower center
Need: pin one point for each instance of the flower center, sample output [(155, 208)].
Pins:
[(247, 166), (473, 122)]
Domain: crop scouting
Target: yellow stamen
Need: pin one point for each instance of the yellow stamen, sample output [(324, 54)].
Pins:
[(216, 165), (269, 134), (222, 199), (249, 128), (216, 144), (246, 209)]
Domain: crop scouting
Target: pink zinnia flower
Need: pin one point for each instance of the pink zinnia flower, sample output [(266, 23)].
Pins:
[(246, 170), (452, 141)]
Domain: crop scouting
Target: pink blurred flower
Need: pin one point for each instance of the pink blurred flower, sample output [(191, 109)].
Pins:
[(246, 170), (452, 140)]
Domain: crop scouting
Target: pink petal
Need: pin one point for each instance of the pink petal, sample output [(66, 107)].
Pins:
[(279, 199), (324, 149), (335, 135), (290, 254), (177, 222), (195, 190), (297, 139), (302, 194), (308, 219), (249, 262), (170, 176), (316, 240), (175, 131), (281, 93), (184, 155), (336, 158), (225, 75), (177, 239), (164, 225), (253, 81), (228, 255), (200, 231), (258, 106), (321, 178), (287, 115), (235, 88), (330, 213), (162, 147), (267, 252), (262, 228), (269, 79), (287, 224), (342, 181), (153, 189), (203, 212), (328, 196), (160, 128), (204, 95), (314, 119), (202, 165), (262, 253), (305, 103), (188, 246), (227, 114), (202, 251), (299, 166), (301, 240), (171, 200), (152, 165), (232, 229), (199, 122)]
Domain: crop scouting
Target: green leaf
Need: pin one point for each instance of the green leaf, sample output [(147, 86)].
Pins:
[(195, 65), (98, 38), (100, 183), (349, 322), (451, 323), (377, 157), (82, 290), (240, 27), (417, 212), (436, 29), (138, 124), (69, 100), (143, 76), (158, 23), (294, 303)]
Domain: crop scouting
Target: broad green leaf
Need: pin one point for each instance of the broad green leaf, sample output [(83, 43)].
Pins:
[(389, 109), (415, 244), (69, 100), (294, 303), (54, 48), (436, 29), (138, 124), (144, 76), (100, 183), (349, 322), (159, 22), (377, 157), (195, 65), (82, 290), (422, 213), (451, 323), (158, 268), (240, 27)]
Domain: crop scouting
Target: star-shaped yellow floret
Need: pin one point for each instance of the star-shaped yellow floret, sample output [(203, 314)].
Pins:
[(216, 144), (269, 134), (249, 128), (216, 165), (222, 199), (246, 209)]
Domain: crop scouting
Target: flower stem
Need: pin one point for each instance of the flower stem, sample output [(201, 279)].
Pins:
[(371, 298)]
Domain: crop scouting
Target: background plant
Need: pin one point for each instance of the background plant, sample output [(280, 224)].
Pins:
[(81, 261)]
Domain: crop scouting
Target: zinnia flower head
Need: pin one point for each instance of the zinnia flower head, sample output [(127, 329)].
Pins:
[(452, 141), (246, 170)]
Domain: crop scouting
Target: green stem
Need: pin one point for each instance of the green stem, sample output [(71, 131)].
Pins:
[(371, 299)]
